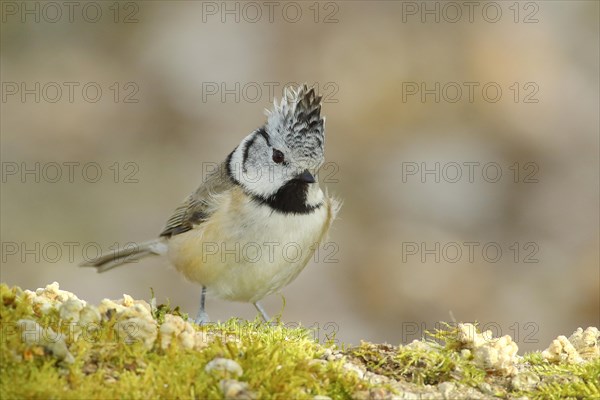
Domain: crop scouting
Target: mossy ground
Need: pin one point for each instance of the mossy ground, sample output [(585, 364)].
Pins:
[(442, 363), (277, 362), (570, 381), (274, 359)]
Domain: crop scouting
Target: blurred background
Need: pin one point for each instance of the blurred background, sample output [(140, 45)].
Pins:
[(462, 139)]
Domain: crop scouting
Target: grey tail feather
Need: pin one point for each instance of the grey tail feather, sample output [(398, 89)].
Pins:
[(128, 254)]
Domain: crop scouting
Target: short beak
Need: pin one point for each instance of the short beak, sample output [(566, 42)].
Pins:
[(306, 177)]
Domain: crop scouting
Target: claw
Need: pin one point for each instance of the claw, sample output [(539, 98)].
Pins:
[(202, 318)]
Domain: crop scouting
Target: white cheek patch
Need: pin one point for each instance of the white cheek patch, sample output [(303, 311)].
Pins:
[(260, 180), (263, 181)]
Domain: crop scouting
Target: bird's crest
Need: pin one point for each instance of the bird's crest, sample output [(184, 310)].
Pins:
[(297, 117)]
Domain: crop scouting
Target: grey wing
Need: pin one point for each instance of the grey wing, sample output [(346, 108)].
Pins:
[(197, 207)]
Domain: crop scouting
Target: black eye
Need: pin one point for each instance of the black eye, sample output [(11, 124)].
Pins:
[(278, 156)]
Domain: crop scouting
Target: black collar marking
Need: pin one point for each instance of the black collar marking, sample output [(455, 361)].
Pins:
[(289, 199)]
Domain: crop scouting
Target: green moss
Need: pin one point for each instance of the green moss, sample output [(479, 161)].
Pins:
[(161, 310), (563, 381), (277, 362), (438, 359), (430, 363), (274, 359)]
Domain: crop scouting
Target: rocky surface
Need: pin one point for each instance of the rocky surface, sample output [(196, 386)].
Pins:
[(460, 362)]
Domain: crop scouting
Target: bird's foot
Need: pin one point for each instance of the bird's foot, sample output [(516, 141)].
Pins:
[(202, 318), (263, 314)]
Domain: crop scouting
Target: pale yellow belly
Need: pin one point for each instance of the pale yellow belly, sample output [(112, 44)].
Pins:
[(250, 256)]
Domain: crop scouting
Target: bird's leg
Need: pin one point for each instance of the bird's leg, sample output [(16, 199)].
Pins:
[(262, 312), (202, 316)]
